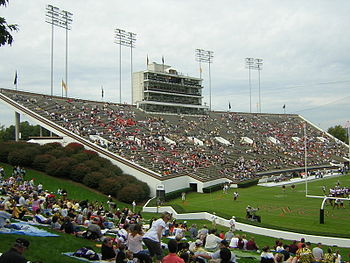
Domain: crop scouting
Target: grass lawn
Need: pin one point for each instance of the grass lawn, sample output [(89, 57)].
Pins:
[(49, 249), (290, 209)]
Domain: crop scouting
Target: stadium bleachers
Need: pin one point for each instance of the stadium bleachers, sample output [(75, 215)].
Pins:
[(173, 145)]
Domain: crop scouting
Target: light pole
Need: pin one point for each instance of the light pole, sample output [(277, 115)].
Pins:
[(53, 18), (258, 66), (205, 56), (305, 158), (66, 22), (249, 63), (127, 39)]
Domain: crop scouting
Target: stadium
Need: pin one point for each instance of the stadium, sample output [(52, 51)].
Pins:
[(278, 176), (155, 141)]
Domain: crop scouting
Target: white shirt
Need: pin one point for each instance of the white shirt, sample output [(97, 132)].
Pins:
[(212, 241), (152, 233), (234, 242)]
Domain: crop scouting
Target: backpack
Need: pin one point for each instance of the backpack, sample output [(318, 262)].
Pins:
[(86, 252)]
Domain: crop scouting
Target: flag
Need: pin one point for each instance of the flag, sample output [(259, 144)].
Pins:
[(102, 92), (64, 85), (284, 106), (147, 60), (229, 105), (15, 81), (163, 60)]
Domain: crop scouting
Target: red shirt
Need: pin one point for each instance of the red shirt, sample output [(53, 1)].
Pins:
[(172, 258)]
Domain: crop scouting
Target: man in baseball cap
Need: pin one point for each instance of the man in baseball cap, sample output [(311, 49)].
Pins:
[(15, 254)]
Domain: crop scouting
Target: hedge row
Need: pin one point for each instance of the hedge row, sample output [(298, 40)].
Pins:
[(176, 194), (248, 183), (78, 164), (212, 188)]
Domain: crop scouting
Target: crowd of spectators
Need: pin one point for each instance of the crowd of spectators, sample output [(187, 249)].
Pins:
[(172, 145)]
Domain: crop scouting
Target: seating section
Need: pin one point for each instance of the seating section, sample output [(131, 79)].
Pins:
[(147, 139)]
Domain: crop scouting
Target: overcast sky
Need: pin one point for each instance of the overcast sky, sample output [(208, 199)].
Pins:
[(304, 45)]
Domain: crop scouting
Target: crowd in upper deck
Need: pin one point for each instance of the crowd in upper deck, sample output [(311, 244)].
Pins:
[(171, 145)]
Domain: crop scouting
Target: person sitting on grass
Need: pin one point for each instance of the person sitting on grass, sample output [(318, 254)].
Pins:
[(15, 254), (217, 254), (212, 241), (107, 249), (172, 257), (40, 218), (266, 255)]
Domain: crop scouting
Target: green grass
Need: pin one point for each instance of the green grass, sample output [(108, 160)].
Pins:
[(49, 249), (289, 209)]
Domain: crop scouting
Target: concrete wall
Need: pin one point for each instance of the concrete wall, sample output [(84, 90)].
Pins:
[(329, 241)]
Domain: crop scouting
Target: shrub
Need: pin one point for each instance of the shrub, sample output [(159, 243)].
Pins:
[(176, 194), (90, 153), (58, 168), (130, 193), (50, 146), (212, 188), (75, 147), (80, 157), (58, 153), (78, 172), (41, 161), (248, 183), (22, 157), (102, 161), (92, 179), (109, 186), (93, 165)]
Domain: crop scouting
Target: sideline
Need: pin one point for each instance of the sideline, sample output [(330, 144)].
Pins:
[(329, 241)]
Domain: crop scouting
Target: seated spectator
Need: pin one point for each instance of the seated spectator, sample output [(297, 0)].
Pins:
[(15, 254), (93, 231), (55, 223), (318, 253), (3, 216), (212, 241), (285, 252), (107, 249), (266, 256), (67, 225), (40, 218), (172, 257), (193, 231), (329, 257), (223, 246), (229, 235), (251, 245)]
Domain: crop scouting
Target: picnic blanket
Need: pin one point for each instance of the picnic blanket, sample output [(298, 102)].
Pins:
[(70, 254), (27, 230)]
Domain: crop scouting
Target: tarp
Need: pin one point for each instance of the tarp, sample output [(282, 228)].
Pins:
[(27, 230)]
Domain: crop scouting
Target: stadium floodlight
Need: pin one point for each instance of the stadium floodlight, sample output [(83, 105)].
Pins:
[(66, 21), (127, 39), (205, 56), (53, 18), (249, 63), (258, 66), (305, 159)]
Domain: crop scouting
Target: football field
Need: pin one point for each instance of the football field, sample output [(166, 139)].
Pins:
[(279, 208)]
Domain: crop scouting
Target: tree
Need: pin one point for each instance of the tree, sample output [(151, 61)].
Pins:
[(338, 132), (6, 29)]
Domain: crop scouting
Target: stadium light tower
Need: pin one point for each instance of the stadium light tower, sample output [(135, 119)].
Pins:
[(127, 39), (305, 158), (258, 66), (205, 56), (66, 21), (53, 18), (249, 63)]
